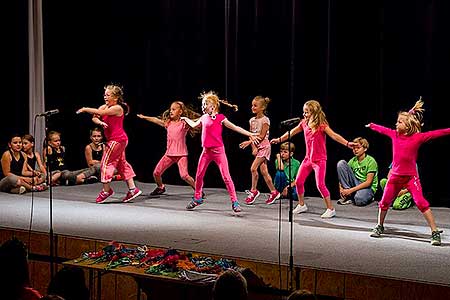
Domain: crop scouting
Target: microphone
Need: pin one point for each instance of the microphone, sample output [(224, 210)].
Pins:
[(49, 113), (290, 122)]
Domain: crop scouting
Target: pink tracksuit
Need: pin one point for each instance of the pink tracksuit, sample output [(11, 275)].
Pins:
[(315, 159), (114, 155), (176, 151), (213, 150), (404, 157)]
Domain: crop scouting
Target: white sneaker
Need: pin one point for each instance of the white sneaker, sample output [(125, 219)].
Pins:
[(300, 209), (329, 213)]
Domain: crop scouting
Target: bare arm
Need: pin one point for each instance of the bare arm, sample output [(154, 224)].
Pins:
[(236, 128), (338, 138), (191, 123), (6, 163), (297, 129), (154, 120), (114, 110), (40, 163)]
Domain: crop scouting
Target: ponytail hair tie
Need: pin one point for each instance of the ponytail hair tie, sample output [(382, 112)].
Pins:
[(412, 111)]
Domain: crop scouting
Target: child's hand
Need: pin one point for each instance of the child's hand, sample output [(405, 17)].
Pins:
[(367, 125), (275, 141), (141, 116), (103, 124), (351, 145), (255, 139), (80, 110), (245, 144)]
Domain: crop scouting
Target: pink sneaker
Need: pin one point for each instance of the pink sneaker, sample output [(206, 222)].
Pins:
[(132, 194), (252, 195), (102, 196), (273, 197)]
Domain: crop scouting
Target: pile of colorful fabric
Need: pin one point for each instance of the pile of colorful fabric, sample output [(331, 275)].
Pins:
[(170, 262)]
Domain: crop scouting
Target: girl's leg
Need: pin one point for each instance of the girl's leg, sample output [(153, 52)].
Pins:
[(203, 162), (415, 188), (221, 160), (303, 172), (320, 169), (381, 216), (265, 173), (254, 171), (164, 163), (183, 169)]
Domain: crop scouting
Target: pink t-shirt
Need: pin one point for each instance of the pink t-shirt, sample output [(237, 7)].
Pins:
[(176, 138), (405, 148), (212, 130), (315, 142), (114, 131)]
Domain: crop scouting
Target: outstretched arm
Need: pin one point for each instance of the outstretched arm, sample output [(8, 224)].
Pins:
[(154, 120), (236, 128), (191, 123), (338, 138), (115, 110), (291, 133)]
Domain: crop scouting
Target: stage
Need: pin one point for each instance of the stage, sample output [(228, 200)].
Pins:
[(341, 244)]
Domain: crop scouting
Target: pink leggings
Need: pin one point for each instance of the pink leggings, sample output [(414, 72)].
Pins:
[(166, 161), (216, 154), (114, 159), (395, 183), (320, 168)]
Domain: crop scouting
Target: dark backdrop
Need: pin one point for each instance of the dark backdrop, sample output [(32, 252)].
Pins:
[(363, 60)]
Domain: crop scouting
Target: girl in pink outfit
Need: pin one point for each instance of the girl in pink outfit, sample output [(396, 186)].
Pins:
[(315, 127), (176, 151), (260, 125), (406, 140), (212, 123), (110, 116)]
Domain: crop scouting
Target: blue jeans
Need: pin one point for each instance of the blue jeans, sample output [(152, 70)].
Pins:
[(281, 181), (348, 180)]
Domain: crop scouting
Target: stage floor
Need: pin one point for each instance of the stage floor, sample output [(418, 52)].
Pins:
[(340, 244)]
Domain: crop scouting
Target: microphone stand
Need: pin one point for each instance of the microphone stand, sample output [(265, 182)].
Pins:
[(291, 219), (291, 208), (50, 197)]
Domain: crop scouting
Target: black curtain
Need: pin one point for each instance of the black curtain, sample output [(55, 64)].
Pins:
[(363, 60)]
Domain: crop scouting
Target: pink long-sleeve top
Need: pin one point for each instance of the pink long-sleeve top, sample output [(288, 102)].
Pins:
[(405, 148)]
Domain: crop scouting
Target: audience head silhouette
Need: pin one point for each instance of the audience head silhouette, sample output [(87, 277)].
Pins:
[(69, 283), (230, 285)]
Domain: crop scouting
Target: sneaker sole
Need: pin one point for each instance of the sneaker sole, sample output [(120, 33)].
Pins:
[(375, 235), (435, 243), (134, 196)]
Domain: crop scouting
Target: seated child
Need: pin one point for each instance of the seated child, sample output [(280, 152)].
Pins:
[(286, 175), (18, 178), (358, 179), (55, 153)]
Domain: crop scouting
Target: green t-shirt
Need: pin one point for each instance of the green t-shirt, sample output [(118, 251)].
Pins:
[(295, 165), (361, 169)]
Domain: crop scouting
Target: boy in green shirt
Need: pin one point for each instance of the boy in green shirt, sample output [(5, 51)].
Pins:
[(286, 175), (358, 179)]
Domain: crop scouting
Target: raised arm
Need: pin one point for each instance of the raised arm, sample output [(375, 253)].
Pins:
[(432, 134), (381, 129), (191, 123), (153, 120), (338, 138)]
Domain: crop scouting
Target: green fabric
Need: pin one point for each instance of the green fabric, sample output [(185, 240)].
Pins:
[(364, 167), (295, 165)]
